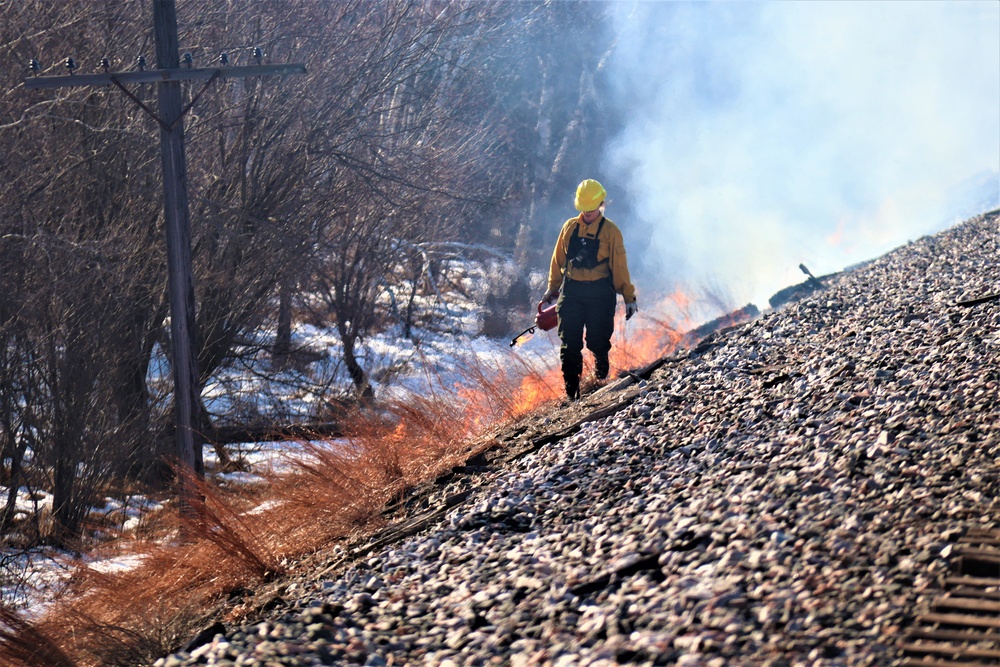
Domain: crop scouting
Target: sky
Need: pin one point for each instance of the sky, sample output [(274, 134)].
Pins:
[(765, 135)]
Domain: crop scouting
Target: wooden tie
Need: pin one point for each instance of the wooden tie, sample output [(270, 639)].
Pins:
[(962, 628)]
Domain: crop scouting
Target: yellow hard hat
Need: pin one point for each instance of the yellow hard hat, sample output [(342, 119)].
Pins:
[(589, 195)]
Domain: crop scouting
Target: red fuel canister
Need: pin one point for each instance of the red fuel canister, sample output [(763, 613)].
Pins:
[(546, 318)]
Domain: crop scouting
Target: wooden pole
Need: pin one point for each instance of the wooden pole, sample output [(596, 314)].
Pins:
[(177, 217), (177, 221)]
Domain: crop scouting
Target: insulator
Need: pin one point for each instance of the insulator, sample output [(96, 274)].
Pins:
[(105, 64), (34, 66), (70, 65), (141, 63), (224, 58), (188, 59), (258, 55)]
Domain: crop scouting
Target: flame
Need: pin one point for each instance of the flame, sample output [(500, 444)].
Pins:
[(479, 412), (536, 389), (635, 344), (491, 395), (837, 237), (678, 301), (399, 433), (656, 334)]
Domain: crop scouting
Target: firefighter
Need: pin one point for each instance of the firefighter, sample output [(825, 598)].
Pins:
[(587, 271)]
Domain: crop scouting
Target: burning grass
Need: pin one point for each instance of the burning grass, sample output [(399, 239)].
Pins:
[(635, 344), (191, 570), (237, 540)]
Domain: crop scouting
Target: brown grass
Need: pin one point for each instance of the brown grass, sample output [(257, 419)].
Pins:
[(23, 644), (334, 491)]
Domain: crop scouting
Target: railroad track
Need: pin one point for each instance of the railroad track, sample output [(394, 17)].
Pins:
[(962, 626)]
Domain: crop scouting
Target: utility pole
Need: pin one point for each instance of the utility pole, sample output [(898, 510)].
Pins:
[(170, 115), (177, 217)]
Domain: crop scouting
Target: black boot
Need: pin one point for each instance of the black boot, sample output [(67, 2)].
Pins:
[(601, 368), (573, 388)]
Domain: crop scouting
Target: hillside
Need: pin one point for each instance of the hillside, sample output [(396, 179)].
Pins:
[(789, 492)]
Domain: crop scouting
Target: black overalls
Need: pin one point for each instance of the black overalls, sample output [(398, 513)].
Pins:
[(586, 305)]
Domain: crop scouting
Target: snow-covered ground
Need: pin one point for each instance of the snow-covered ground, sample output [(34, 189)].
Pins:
[(448, 362)]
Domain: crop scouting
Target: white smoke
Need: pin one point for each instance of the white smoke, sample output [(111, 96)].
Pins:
[(762, 135)]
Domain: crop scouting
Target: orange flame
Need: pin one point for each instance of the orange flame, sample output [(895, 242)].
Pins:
[(399, 433), (635, 344), (536, 389), (489, 395)]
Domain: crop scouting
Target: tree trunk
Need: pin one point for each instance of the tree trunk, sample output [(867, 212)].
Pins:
[(14, 483), (66, 512), (417, 275), (358, 375), (283, 339)]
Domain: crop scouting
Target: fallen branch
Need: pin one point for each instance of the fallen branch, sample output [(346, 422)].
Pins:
[(979, 299)]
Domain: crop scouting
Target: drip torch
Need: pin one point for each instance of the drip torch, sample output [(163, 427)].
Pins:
[(545, 319)]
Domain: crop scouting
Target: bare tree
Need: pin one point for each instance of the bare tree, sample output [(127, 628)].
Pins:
[(78, 229), (548, 66), (387, 144), (417, 124)]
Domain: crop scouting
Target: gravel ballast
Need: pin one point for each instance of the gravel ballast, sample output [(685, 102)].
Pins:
[(788, 494)]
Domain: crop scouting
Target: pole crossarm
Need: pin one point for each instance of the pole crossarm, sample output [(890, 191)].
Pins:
[(162, 75), (176, 214)]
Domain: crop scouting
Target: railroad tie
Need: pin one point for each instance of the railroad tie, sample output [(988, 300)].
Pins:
[(962, 626)]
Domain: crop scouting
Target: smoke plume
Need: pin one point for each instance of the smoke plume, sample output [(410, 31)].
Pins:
[(762, 135)]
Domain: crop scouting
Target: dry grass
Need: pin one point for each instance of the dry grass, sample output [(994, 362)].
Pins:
[(237, 541), (334, 491), (23, 644)]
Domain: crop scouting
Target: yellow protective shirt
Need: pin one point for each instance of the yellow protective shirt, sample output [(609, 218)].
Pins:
[(611, 247)]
